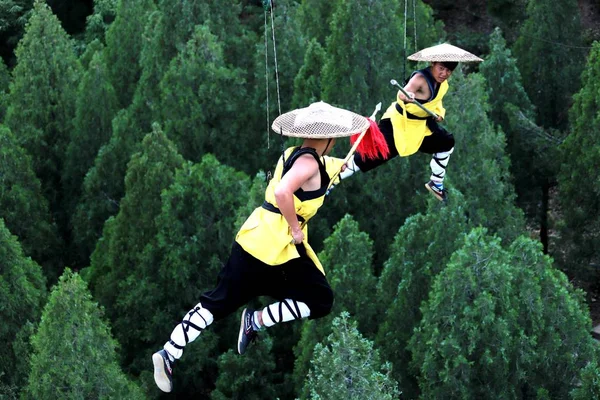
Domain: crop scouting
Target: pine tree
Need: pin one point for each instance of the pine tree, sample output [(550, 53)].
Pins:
[(24, 208), (357, 72), (119, 253), (515, 299), (96, 106), (14, 15), (88, 366), (419, 253), (22, 295), (196, 93), (307, 84), (539, 47), (479, 167), (4, 84), (347, 259), (315, 19), (100, 20), (42, 99), (347, 367), (590, 383), (123, 46), (247, 378), (581, 208)]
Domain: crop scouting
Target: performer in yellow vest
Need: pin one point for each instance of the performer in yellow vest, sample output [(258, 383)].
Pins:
[(271, 255), (408, 128)]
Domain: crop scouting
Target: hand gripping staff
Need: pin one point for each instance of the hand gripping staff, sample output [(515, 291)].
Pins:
[(355, 146), (434, 115)]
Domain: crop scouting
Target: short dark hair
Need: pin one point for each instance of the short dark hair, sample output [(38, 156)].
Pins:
[(451, 65)]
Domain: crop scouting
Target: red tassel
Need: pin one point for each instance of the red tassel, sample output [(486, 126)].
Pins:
[(373, 144)]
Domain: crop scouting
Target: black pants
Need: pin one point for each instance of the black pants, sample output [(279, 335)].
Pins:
[(439, 141), (245, 277)]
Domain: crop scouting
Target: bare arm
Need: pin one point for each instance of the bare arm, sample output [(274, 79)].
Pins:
[(413, 87), (305, 168)]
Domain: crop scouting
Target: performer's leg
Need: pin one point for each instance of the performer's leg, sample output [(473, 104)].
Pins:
[(235, 287), (440, 144), (357, 163), (302, 291)]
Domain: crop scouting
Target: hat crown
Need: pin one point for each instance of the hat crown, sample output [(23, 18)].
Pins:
[(320, 121), (444, 52)]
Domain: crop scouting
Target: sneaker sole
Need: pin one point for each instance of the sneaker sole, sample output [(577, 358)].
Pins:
[(240, 335), (437, 196), (160, 375)]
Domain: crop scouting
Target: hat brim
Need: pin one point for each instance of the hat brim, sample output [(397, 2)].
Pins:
[(444, 53), (286, 125)]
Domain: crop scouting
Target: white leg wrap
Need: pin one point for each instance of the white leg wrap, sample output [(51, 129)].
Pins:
[(351, 168), (188, 330), (438, 164), (284, 311)]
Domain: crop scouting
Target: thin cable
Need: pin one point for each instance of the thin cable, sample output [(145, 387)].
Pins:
[(267, 80), (415, 23), (404, 51), (275, 56)]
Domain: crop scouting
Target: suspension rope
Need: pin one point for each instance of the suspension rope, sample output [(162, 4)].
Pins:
[(267, 81), (268, 7), (404, 51), (415, 23)]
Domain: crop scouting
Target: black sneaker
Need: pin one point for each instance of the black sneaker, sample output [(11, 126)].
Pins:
[(247, 332), (163, 370), (440, 194)]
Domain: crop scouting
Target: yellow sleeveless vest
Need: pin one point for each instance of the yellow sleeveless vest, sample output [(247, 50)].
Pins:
[(266, 235), (409, 133)]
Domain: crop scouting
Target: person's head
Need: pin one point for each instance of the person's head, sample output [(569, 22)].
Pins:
[(319, 125), (441, 70)]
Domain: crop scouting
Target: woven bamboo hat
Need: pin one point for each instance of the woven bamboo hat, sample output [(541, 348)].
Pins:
[(444, 53), (320, 121)]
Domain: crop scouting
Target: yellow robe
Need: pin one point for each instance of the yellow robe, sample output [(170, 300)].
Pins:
[(266, 235), (409, 133)]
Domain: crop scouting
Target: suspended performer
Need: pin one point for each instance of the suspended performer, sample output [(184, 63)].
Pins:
[(271, 255), (408, 128)]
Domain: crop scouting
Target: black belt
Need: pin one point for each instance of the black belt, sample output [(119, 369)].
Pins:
[(408, 115), (270, 207)]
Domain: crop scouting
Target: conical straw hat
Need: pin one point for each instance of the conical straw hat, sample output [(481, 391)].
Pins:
[(320, 121), (444, 52)]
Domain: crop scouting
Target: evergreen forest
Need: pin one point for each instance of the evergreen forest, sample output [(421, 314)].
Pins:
[(135, 139)]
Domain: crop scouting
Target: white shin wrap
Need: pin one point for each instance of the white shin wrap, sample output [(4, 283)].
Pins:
[(438, 164), (284, 311), (351, 168), (188, 330)]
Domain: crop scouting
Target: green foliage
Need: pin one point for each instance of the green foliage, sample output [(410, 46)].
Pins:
[(347, 367), (87, 366), (479, 167), (100, 20), (580, 155), (24, 209), (347, 259), (551, 36), (119, 253), (357, 71), (249, 377), (590, 383), (4, 83), (96, 106), (124, 44), (14, 15), (315, 18), (514, 299), (22, 295), (307, 84), (194, 94), (42, 97), (420, 251)]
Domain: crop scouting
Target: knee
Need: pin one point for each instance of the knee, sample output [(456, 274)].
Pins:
[(450, 142), (321, 306)]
